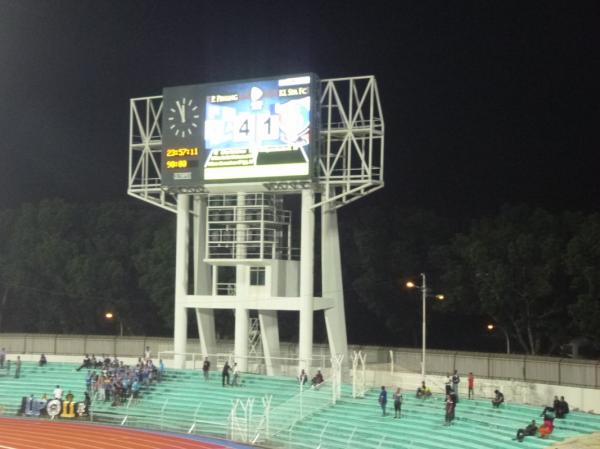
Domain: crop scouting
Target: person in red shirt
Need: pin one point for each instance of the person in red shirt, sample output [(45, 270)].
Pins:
[(471, 384), (547, 428)]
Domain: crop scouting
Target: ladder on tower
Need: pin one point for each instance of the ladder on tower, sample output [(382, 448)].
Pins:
[(254, 337)]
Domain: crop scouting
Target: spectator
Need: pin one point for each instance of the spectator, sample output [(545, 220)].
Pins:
[(108, 389), (225, 373), (135, 390), (161, 369), (450, 407), (58, 392), (423, 392), (18, 367), (471, 384), (498, 399), (455, 381), (43, 360), (100, 388), (383, 399), (528, 431), (87, 363), (88, 381), (147, 353), (548, 426), (550, 411), (87, 401), (206, 368), (317, 380), (236, 376), (302, 378), (2, 357), (563, 408), (448, 384), (397, 403)]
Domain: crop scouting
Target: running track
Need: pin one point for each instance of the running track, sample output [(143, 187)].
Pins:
[(43, 434)]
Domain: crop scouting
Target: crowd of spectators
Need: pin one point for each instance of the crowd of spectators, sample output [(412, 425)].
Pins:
[(116, 382)]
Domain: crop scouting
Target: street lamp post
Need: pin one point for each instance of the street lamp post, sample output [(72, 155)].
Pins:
[(491, 327), (423, 325), (424, 295), (110, 316)]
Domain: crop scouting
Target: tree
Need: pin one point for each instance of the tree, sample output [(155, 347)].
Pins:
[(583, 262), (383, 247), (511, 268)]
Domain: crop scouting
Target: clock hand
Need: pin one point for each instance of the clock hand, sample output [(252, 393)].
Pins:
[(181, 109)]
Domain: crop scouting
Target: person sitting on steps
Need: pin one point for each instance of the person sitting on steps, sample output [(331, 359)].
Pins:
[(423, 392), (317, 380), (528, 431), (498, 399)]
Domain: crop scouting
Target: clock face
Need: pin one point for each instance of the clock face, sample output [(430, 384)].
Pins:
[(183, 117)]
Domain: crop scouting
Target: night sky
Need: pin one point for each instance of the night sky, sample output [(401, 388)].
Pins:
[(484, 102)]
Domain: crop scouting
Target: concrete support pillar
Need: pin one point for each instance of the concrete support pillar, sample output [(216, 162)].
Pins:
[(269, 334), (307, 250), (205, 318), (242, 323), (181, 278), (242, 314), (331, 269)]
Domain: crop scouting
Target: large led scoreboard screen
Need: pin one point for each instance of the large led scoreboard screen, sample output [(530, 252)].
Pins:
[(241, 131)]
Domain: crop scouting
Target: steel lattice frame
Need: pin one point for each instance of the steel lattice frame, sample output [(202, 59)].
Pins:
[(351, 149)]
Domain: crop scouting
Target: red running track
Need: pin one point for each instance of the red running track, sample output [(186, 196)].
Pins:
[(42, 434)]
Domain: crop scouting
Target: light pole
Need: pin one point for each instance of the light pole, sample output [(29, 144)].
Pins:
[(424, 296), (109, 316), (491, 327)]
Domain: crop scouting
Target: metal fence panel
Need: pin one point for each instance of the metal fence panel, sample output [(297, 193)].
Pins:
[(100, 345), (441, 363), (132, 347), (541, 370), (406, 361), (42, 344), (506, 368), (13, 343), (580, 374), (472, 363), (70, 344)]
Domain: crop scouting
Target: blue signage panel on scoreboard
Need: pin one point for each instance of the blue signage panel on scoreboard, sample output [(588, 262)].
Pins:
[(241, 131)]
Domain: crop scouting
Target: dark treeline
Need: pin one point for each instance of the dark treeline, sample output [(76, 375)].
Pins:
[(63, 266), (534, 274)]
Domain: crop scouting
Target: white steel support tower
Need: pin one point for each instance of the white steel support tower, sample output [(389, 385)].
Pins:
[(239, 240)]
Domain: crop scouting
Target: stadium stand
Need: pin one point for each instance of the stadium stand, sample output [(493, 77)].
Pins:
[(184, 402)]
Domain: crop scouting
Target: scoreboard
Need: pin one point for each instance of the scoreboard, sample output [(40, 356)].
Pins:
[(240, 131)]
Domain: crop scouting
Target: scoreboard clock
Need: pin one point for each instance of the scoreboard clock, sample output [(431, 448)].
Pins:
[(240, 131)]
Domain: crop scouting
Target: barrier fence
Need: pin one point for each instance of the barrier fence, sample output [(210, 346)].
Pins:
[(553, 370)]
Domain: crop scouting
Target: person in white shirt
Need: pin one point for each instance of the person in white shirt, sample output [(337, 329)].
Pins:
[(236, 376), (58, 392)]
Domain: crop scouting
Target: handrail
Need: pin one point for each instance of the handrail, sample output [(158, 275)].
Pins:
[(195, 417), (162, 414), (323, 433)]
